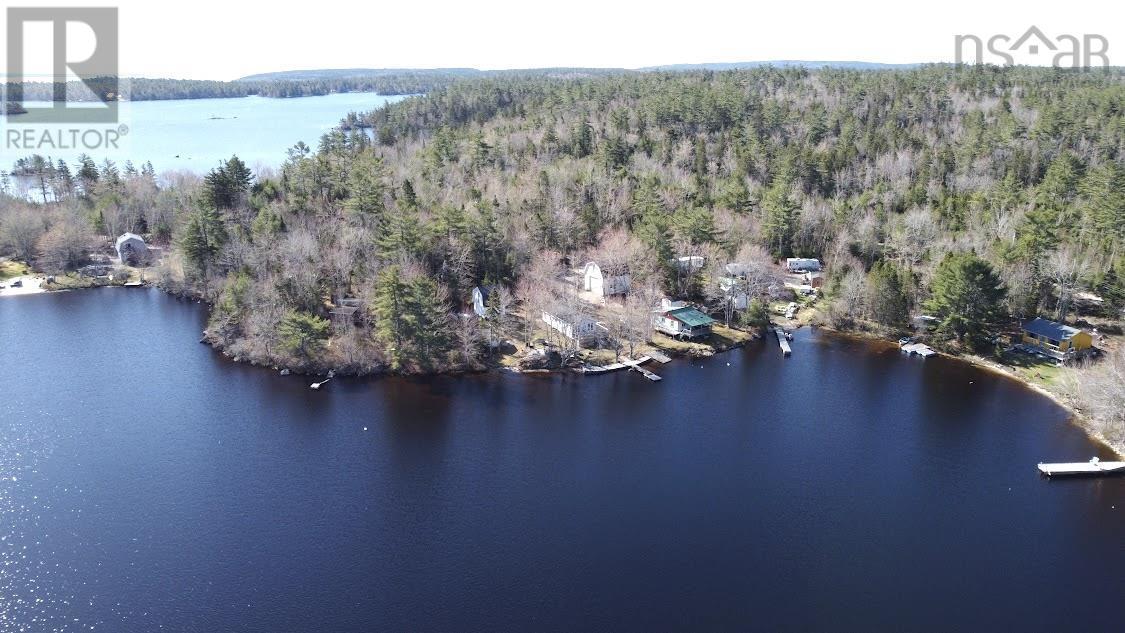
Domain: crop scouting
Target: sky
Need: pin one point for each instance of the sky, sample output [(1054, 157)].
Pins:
[(207, 39)]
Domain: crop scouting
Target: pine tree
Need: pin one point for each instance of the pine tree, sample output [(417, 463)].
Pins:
[(225, 186), (392, 324), (87, 175), (429, 312), (401, 234), (202, 237), (303, 333), (779, 218), (366, 187), (967, 298), (888, 300)]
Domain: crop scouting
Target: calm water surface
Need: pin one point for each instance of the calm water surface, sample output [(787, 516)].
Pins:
[(148, 484), (195, 134)]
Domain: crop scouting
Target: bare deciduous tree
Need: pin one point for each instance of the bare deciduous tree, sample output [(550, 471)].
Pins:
[(20, 230)]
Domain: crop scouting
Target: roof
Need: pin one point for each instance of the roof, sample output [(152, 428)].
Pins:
[(1050, 329), (613, 269), (802, 261), (689, 317), (128, 236)]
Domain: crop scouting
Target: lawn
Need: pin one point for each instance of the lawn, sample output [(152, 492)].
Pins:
[(1034, 369), (9, 269)]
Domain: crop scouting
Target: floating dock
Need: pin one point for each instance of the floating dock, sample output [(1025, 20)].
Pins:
[(925, 351), (782, 342), (660, 358), (624, 364), (1094, 467), (635, 366)]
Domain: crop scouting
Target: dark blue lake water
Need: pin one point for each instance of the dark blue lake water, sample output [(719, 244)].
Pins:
[(148, 484)]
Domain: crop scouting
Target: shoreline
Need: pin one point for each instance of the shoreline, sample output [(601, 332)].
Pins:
[(1077, 418)]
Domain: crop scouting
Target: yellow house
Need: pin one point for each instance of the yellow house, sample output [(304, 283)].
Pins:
[(1056, 338)]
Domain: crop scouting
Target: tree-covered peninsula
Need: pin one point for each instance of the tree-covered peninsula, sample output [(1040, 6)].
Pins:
[(980, 196)]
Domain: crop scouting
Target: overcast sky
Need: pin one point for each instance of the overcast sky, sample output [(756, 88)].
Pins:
[(207, 39)]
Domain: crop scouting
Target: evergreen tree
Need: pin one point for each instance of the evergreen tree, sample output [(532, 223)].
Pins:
[(303, 333), (967, 298), (87, 175), (201, 238), (401, 234), (366, 188), (225, 186), (1112, 290), (429, 317), (888, 299), (779, 218), (393, 325)]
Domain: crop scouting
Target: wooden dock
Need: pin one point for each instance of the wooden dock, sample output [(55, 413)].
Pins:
[(635, 366), (627, 363), (660, 358), (1094, 467), (782, 342), (925, 351)]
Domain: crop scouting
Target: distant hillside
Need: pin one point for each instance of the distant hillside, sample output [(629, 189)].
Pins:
[(326, 74), (347, 73), (457, 73), (782, 63)]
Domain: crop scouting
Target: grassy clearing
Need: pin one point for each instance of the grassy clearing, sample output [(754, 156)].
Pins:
[(723, 337), (1034, 369), (70, 281), (9, 269)]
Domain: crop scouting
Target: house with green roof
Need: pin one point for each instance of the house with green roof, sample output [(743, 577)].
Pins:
[(682, 322)]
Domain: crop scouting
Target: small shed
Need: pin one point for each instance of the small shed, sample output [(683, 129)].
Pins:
[(604, 283), (683, 323), (1056, 339), (131, 249), (814, 279), (802, 265)]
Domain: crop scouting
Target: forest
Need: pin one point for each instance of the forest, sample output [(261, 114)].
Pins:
[(278, 85), (141, 89), (979, 195)]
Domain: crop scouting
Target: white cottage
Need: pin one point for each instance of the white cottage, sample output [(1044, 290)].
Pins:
[(131, 249), (604, 284), (580, 328)]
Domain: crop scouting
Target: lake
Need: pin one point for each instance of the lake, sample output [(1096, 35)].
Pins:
[(148, 483), (195, 134)]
